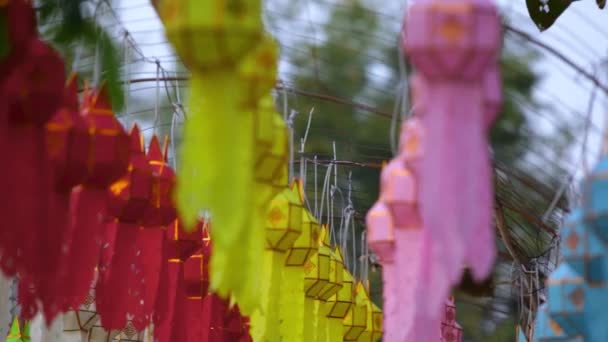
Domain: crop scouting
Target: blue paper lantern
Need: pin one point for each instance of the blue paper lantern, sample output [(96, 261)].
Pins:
[(582, 249), (548, 330), (567, 298), (595, 200)]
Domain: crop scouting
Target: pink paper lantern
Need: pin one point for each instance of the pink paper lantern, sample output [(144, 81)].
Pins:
[(452, 39)]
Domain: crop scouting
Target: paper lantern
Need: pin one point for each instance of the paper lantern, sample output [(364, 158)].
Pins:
[(594, 204), (110, 154), (284, 221), (399, 193), (355, 321), (258, 72), (107, 161), (546, 329), (582, 249), (20, 29), (68, 141), (162, 210), (307, 243), (453, 56), (19, 332), (341, 302), (37, 84), (336, 273), (373, 331), (130, 196), (380, 236), (121, 286), (184, 243), (181, 245), (317, 268), (458, 39), (566, 290), (411, 140), (223, 31), (196, 275), (270, 139)]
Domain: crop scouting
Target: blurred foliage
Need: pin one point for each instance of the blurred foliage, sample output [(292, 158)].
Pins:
[(67, 23)]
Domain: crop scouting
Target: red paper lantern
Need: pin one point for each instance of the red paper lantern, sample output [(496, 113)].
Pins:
[(36, 85), (107, 161), (68, 141), (130, 195), (67, 146), (21, 27), (196, 283), (121, 286), (152, 240), (162, 211), (181, 246), (110, 153)]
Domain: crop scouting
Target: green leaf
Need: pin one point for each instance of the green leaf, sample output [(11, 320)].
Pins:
[(545, 12)]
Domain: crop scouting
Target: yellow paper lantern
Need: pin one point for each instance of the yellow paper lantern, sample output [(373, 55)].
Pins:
[(271, 150), (257, 72), (316, 268), (284, 220), (373, 331), (212, 34), (355, 321), (336, 272), (307, 244), (341, 302)]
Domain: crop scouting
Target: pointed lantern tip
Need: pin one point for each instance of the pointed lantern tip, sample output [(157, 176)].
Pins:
[(136, 138), (102, 98), (154, 151)]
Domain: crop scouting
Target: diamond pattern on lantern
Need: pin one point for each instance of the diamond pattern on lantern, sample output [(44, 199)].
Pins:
[(317, 268), (257, 72), (341, 302), (584, 252), (211, 34), (336, 273), (284, 221), (572, 241), (355, 322), (306, 245), (567, 299)]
